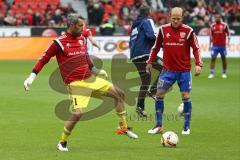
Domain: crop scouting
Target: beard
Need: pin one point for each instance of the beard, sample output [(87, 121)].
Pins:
[(77, 33)]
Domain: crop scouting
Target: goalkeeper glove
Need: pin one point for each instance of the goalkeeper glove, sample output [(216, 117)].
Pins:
[(28, 82)]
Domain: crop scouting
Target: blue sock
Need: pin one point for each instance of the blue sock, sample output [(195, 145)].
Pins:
[(187, 112), (211, 71), (159, 106)]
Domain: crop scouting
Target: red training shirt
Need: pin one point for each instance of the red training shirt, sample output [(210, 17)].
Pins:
[(176, 45), (219, 33), (71, 55)]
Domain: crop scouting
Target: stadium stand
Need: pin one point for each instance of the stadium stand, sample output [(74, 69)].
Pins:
[(119, 13)]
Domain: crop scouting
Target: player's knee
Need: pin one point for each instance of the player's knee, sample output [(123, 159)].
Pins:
[(76, 115), (146, 80), (213, 59), (185, 95), (144, 87), (160, 93), (121, 94)]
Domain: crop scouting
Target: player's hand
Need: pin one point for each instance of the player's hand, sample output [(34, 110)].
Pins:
[(98, 47), (228, 45), (103, 73), (149, 68), (28, 82), (198, 70), (210, 48)]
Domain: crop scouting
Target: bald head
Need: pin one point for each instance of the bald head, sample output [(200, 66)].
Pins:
[(176, 11), (176, 16)]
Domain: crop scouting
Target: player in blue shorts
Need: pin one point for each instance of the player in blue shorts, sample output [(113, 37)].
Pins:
[(219, 33), (175, 39)]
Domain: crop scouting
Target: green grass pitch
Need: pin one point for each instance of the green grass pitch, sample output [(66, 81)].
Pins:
[(30, 130)]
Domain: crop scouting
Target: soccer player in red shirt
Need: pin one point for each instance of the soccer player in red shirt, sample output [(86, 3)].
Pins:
[(80, 76), (219, 33), (175, 39)]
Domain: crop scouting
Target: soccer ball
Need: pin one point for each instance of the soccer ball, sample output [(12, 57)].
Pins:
[(169, 139), (180, 109)]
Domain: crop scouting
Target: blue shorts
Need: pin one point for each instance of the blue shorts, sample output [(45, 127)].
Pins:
[(168, 78), (219, 49)]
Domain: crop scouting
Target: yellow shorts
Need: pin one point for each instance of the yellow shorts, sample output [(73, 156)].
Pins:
[(81, 91)]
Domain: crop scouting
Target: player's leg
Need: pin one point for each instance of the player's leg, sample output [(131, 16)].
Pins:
[(69, 125), (165, 82), (80, 94), (159, 108), (145, 82), (158, 65), (224, 65), (184, 83), (104, 88), (214, 54), (223, 53), (187, 112), (119, 97)]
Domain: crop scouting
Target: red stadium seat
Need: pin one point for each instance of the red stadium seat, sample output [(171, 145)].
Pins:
[(129, 2), (2, 8), (108, 9)]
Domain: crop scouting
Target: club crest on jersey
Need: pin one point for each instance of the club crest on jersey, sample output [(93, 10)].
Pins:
[(80, 42), (182, 34), (68, 45), (168, 35)]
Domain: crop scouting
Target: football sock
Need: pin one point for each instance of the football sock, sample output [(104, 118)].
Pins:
[(122, 119), (66, 133), (159, 106), (141, 102), (187, 111), (211, 71)]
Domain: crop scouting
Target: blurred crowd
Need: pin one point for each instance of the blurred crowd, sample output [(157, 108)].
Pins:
[(34, 13), (197, 12), (112, 15)]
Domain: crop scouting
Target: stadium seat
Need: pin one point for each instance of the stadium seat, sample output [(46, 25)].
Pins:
[(129, 2), (2, 8)]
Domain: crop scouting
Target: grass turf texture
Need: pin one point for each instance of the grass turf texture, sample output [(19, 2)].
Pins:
[(30, 130)]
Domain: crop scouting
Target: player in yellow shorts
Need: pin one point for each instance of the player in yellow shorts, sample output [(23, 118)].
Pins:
[(79, 74), (81, 91)]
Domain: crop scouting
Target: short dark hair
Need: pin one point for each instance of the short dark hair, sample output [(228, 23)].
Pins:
[(218, 14), (81, 17), (72, 18), (144, 11)]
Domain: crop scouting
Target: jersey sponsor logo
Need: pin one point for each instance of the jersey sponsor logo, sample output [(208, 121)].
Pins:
[(182, 34), (217, 32), (174, 44), (75, 53), (181, 40)]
